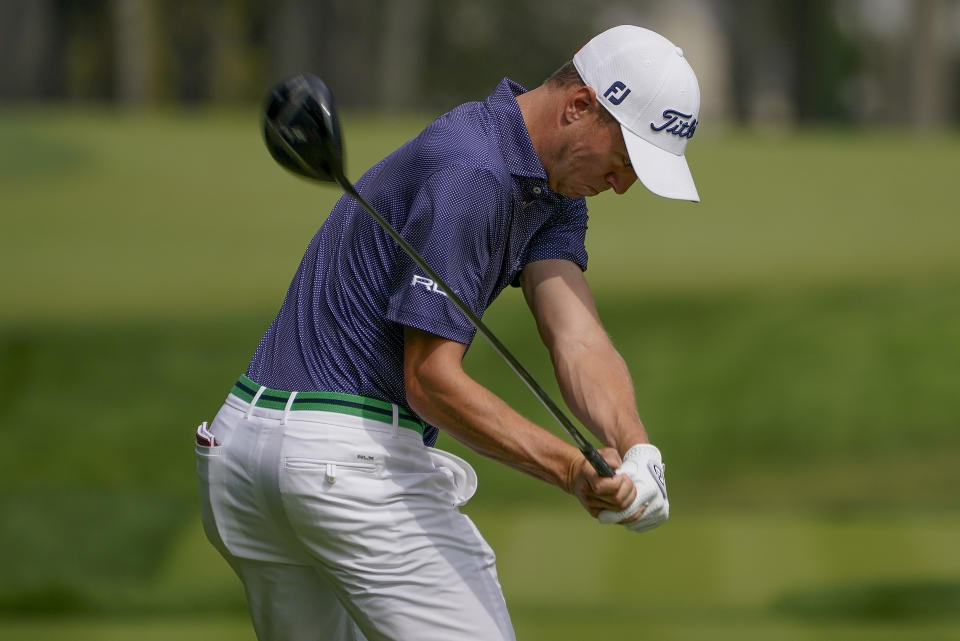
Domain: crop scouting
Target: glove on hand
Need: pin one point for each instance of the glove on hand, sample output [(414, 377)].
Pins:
[(643, 464)]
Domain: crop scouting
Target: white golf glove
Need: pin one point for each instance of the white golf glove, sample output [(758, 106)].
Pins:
[(643, 464)]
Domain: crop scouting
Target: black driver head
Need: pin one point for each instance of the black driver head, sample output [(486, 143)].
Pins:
[(301, 128)]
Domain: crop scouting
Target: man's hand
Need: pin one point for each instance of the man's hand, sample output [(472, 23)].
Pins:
[(649, 508), (596, 493)]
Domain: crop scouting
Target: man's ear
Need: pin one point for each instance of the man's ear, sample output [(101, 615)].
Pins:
[(580, 102)]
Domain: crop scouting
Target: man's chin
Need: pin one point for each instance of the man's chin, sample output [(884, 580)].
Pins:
[(570, 192)]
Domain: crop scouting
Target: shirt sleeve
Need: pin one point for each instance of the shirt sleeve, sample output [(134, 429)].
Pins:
[(453, 223), (562, 237)]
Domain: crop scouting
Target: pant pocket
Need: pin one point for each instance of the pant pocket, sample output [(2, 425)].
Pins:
[(209, 481), (460, 473), (205, 439), (330, 469)]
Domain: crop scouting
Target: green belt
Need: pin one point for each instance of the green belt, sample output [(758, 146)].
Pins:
[(349, 404)]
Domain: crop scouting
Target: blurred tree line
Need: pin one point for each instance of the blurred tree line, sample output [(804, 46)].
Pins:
[(834, 61)]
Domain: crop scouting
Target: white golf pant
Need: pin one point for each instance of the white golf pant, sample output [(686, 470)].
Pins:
[(343, 527)]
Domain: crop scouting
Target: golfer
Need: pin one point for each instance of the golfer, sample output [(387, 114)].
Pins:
[(319, 480)]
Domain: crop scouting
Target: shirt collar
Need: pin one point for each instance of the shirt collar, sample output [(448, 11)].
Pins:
[(518, 153)]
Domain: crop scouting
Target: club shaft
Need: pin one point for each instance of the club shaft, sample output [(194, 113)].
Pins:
[(585, 447)]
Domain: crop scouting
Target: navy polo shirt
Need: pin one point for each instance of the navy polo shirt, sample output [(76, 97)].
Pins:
[(470, 194)]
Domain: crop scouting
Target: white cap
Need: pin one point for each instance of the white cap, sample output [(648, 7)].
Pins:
[(645, 82)]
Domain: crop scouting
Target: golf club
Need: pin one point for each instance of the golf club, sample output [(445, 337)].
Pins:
[(302, 131)]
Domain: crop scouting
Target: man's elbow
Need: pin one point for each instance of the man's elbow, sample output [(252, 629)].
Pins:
[(424, 385), (417, 395), (432, 372)]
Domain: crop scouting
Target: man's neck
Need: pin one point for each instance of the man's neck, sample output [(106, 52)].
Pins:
[(537, 107)]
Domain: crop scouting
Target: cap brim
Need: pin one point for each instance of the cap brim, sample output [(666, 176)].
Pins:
[(664, 173)]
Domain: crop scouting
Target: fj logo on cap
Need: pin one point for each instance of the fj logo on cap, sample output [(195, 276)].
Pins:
[(616, 93), (673, 123)]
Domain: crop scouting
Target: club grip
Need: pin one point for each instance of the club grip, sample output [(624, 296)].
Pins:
[(598, 462)]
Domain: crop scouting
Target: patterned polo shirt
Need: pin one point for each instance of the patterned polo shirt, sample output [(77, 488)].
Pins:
[(471, 196)]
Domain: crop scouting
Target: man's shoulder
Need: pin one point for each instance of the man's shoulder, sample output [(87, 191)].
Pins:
[(467, 131), (478, 138), (462, 139)]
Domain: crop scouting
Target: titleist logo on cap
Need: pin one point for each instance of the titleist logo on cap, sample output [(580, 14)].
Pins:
[(672, 123)]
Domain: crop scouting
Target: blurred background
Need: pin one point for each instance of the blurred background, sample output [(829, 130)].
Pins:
[(837, 61), (794, 338)]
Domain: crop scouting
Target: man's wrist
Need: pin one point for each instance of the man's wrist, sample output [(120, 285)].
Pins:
[(629, 444), (627, 434), (640, 449), (573, 471)]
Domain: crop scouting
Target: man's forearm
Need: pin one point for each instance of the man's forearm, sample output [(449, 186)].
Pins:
[(597, 387), (483, 422), (593, 377)]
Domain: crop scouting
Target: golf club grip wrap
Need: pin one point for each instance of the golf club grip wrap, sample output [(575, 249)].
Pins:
[(598, 462)]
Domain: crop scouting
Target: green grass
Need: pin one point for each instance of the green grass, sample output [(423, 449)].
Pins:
[(99, 419), (161, 215), (541, 627), (794, 341), (771, 575)]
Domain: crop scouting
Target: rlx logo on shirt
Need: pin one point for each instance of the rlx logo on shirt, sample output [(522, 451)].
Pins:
[(426, 282)]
